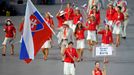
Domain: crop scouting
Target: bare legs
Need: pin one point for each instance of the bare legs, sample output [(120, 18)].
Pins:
[(117, 40), (105, 60), (45, 52), (4, 50), (12, 49), (91, 44), (80, 54), (62, 52)]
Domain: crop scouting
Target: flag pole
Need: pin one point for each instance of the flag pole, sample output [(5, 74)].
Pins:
[(61, 5)]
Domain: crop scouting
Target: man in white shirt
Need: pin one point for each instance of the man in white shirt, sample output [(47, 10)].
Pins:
[(65, 35)]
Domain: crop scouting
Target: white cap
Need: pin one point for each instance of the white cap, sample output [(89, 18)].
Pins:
[(62, 13)]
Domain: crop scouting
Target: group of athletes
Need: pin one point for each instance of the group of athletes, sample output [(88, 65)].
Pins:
[(71, 30)]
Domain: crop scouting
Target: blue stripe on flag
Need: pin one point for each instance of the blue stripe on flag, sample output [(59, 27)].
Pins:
[(38, 17), (33, 34), (23, 52), (39, 26)]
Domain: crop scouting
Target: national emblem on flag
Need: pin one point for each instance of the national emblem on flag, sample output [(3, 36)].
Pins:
[(36, 31)]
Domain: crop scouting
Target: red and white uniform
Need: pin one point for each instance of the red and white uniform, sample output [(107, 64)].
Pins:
[(77, 18), (50, 21), (107, 37), (60, 21), (123, 4), (80, 37), (118, 17), (69, 53), (97, 72), (47, 44), (10, 31), (109, 16), (91, 25), (91, 30), (97, 16), (126, 20), (69, 68), (69, 14)]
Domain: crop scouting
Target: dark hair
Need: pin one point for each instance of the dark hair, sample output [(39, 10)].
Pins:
[(96, 62), (63, 17), (94, 6), (70, 43), (93, 18), (119, 7), (79, 11), (9, 21), (108, 27), (77, 27)]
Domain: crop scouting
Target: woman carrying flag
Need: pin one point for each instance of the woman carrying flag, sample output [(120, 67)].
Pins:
[(47, 44)]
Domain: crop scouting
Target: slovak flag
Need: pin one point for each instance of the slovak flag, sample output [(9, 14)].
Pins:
[(36, 31)]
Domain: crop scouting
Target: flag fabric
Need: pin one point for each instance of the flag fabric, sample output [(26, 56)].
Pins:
[(84, 6), (36, 31)]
